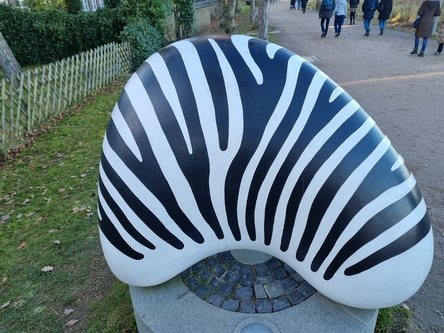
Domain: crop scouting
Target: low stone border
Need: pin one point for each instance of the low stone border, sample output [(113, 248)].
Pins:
[(262, 288)]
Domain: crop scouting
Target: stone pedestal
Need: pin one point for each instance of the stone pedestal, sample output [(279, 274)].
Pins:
[(173, 308)]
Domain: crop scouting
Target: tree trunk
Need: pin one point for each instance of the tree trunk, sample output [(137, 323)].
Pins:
[(223, 13), (239, 5), (253, 12), (231, 25), (7, 60), (263, 19)]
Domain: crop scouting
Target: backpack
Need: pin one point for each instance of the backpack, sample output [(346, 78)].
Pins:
[(328, 4)]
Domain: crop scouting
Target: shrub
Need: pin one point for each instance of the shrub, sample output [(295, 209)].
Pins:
[(154, 12), (41, 37), (73, 6), (144, 40), (186, 17)]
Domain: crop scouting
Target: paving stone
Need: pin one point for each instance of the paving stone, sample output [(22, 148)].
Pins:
[(263, 279), (299, 279), (296, 297), (215, 299), (186, 272), (235, 267), (232, 278), (259, 291), (243, 292), (247, 270), (247, 307), (230, 304), (272, 264), (264, 306), (274, 289), (289, 284), (280, 303), (192, 282), (246, 280), (262, 269), (199, 266), (306, 289), (225, 257), (202, 291), (205, 275), (211, 262), (218, 271), (226, 289), (215, 283), (288, 269), (278, 274)]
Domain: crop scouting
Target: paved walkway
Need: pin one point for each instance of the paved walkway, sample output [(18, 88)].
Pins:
[(404, 94)]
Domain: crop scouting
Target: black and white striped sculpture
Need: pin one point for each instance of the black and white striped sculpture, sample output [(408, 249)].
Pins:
[(221, 143)]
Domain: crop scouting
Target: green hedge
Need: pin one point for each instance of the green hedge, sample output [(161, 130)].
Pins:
[(41, 37), (144, 40)]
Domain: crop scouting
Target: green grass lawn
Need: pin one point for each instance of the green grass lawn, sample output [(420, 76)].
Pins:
[(50, 257)]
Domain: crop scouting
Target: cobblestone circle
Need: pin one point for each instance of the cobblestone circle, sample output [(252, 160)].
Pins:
[(262, 288)]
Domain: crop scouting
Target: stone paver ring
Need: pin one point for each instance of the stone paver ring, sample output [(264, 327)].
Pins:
[(230, 142)]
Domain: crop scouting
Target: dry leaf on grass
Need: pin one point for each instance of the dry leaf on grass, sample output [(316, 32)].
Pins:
[(72, 322), (69, 311), (22, 245), (47, 269), (5, 305)]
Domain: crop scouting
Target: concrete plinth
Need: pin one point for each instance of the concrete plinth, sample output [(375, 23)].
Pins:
[(173, 308)]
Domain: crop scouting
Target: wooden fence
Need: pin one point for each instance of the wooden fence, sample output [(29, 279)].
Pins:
[(41, 93)]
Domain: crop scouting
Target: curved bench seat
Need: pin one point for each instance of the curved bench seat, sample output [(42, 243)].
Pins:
[(220, 143)]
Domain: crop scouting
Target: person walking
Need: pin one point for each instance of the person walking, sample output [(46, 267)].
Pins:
[(303, 6), (292, 4), (325, 13), (440, 40), (353, 8), (428, 10), (384, 9), (340, 12), (368, 8)]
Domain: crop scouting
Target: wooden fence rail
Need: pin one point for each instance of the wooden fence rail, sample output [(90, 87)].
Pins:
[(41, 93)]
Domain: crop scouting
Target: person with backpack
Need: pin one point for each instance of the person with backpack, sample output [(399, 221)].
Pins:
[(368, 8), (384, 9), (340, 11), (353, 9), (325, 13), (427, 12)]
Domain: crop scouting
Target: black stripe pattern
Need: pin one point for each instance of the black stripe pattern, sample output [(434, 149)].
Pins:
[(220, 143)]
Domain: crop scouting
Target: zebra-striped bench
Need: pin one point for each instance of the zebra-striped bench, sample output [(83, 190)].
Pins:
[(221, 143)]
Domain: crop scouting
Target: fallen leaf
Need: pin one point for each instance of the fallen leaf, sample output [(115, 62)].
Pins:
[(16, 303), (26, 202), (47, 269), (4, 306), (4, 278), (69, 311), (22, 245), (56, 242), (72, 322)]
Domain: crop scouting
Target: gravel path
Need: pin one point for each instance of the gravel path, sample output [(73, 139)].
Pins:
[(404, 94)]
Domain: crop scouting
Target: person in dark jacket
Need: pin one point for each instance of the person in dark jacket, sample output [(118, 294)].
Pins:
[(325, 15), (384, 9), (353, 8), (428, 10), (368, 8), (303, 5)]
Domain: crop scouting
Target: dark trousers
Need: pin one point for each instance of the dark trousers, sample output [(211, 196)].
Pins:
[(440, 45), (325, 20)]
